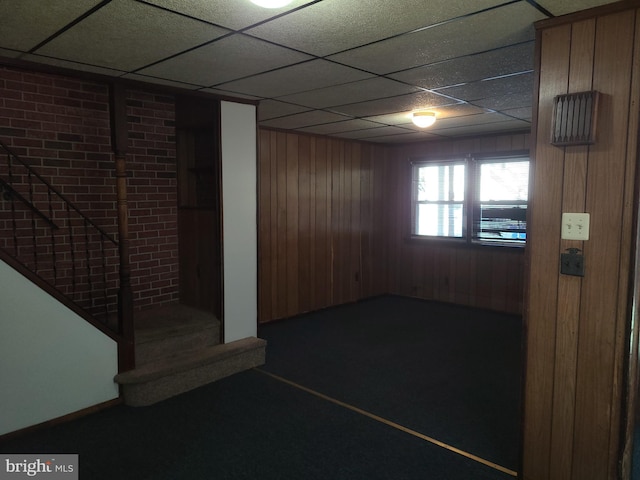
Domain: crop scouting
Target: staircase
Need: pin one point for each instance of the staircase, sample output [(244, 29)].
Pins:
[(48, 239), (178, 349)]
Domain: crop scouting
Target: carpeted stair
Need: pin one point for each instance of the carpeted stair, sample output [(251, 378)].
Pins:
[(178, 349)]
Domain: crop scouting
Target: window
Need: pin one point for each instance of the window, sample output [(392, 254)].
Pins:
[(501, 206), (474, 199), (439, 204)]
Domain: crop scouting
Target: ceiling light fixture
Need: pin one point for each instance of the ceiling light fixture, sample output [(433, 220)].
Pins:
[(272, 3), (423, 119)]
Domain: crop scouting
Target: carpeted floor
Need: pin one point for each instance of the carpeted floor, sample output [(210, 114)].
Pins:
[(449, 372), (253, 426)]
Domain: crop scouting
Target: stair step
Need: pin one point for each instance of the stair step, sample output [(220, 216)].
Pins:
[(171, 329), (182, 372)]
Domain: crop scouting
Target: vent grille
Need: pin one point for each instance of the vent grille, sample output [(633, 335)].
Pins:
[(574, 118)]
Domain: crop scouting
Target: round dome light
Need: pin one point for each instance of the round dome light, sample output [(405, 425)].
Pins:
[(423, 119)]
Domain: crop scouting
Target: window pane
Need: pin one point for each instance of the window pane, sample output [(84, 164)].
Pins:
[(506, 223), (504, 181), (441, 182), (501, 213), (439, 219)]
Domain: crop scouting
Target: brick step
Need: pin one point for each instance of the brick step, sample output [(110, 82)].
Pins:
[(176, 374)]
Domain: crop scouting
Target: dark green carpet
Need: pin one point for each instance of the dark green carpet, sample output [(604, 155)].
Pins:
[(451, 373), (248, 426)]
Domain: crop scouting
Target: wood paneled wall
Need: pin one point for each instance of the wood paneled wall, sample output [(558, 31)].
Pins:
[(333, 224), (320, 225), (576, 325), (478, 276)]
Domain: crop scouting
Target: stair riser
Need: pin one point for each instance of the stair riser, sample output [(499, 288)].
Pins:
[(148, 393), (150, 351)]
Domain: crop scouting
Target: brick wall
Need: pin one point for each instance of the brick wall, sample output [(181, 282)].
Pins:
[(60, 126), (152, 194)]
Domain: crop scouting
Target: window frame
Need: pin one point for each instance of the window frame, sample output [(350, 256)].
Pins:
[(471, 202), (415, 202)]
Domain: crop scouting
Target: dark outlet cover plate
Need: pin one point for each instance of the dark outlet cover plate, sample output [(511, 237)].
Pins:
[(572, 264)]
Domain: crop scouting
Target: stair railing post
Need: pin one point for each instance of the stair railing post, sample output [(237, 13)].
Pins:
[(126, 355)]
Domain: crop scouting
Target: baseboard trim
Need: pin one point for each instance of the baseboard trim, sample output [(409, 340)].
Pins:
[(63, 419)]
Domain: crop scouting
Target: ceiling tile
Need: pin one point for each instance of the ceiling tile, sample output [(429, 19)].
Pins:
[(124, 35), (401, 103), (272, 109), (336, 127), (502, 61), (469, 62), (218, 62), (447, 123), (402, 118), (506, 101), (510, 85), (233, 14), (71, 65), (485, 128), (4, 52), (294, 79), (25, 23), (369, 89), (523, 113), (562, 7), (398, 118), (373, 132), (510, 24), (305, 119), (404, 138), (224, 93), (457, 124), (479, 119), (159, 81), (319, 30)]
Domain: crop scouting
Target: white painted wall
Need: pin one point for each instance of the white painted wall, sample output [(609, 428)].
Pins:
[(52, 362), (239, 220)]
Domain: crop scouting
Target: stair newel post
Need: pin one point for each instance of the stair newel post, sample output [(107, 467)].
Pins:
[(126, 354)]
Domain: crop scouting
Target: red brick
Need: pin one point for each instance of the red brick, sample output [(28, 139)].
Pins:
[(19, 104), (10, 94)]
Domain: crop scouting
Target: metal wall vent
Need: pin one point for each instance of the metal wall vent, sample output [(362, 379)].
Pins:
[(574, 118)]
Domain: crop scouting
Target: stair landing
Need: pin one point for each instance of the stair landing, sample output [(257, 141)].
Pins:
[(178, 349)]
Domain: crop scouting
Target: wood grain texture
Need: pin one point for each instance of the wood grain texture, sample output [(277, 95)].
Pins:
[(544, 246), (475, 276), (321, 245), (627, 338), (605, 190), (351, 229), (569, 288), (576, 326), (199, 262)]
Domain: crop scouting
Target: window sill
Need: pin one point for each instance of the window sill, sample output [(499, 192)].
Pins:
[(463, 243)]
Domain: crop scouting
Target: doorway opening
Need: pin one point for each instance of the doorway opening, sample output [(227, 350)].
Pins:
[(199, 200)]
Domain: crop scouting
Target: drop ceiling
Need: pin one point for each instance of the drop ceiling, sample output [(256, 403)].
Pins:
[(346, 68)]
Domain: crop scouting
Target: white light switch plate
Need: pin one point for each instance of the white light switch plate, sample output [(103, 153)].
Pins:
[(575, 226)]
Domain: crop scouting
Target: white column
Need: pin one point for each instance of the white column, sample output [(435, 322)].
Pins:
[(239, 220)]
